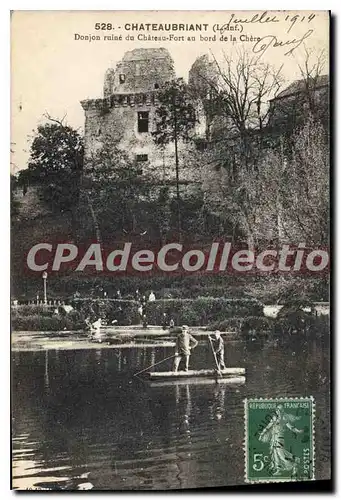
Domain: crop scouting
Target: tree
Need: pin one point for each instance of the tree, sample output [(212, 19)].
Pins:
[(56, 162), (247, 202), (244, 88), (305, 186), (312, 75), (14, 203), (285, 195), (175, 119), (233, 163), (242, 92), (114, 186)]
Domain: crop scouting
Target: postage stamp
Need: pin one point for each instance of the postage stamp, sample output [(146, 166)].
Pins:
[(279, 439)]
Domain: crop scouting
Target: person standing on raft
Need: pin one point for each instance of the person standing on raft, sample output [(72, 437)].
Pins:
[(184, 343), (218, 348)]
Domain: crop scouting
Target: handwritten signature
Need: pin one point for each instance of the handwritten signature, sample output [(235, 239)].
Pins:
[(262, 45)]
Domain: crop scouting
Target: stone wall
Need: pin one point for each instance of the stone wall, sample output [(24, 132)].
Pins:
[(142, 70), (129, 89), (292, 108), (117, 118), (108, 82)]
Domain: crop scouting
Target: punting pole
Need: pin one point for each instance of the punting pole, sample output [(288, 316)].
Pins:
[(158, 363), (215, 357)]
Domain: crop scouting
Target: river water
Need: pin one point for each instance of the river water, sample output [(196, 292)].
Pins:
[(80, 420)]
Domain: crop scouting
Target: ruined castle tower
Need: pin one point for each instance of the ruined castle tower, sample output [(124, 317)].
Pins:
[(126, 113)]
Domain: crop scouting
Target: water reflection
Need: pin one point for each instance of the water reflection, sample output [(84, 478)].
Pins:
[(81, 417), (46, 375), (184, 407), (218, 408)]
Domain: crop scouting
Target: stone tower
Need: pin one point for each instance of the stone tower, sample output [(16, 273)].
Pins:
[(126, 113), (141, 70)]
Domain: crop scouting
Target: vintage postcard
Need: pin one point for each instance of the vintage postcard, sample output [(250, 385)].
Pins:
[(170, 303)]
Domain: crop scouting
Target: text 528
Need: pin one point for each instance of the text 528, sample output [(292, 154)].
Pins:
[(104, 26)]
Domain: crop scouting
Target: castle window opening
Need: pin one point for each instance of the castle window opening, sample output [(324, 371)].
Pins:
[(142, 157), (156, 86), (122, 78), (142, 121)]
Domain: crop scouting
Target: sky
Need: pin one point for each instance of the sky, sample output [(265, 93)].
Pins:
[(52, 72)]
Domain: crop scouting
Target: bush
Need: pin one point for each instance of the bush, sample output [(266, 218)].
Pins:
[(201, 311), (194, 312), (256, 327), (124, 311), (297, 322), (40, 318), (173, 293), (34, 309), (36, 322), (173, 286), (196, 291), (226, 325), (247, 326)]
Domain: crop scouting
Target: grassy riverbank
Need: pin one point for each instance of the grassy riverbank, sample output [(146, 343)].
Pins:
[(242, 318), (195, 312)]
